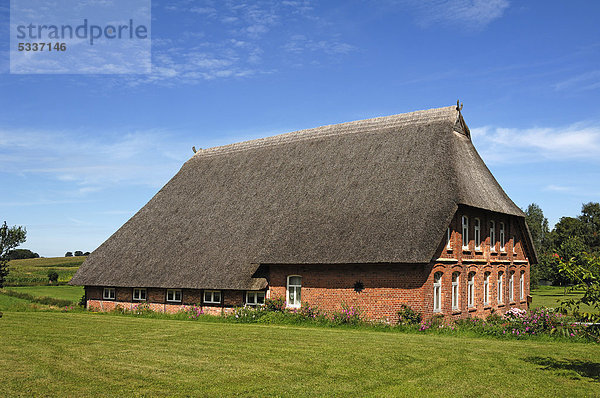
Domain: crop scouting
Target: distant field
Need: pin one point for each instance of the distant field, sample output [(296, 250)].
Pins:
[(551, 296), (72, 293), (34, 271)]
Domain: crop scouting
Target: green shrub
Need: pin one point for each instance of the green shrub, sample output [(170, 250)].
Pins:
[(52, 276), (408, 316), (275, 304), (348, 315)]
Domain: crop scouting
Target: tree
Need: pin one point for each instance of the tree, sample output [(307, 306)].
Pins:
[(19, 254), (586, 276), (86, 253), (10, 238), (538, 226), (590, 217), (68, 254), (78, 253), (52, 276)]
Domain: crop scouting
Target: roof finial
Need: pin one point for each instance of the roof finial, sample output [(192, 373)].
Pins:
[(194, 149), (459, 106)]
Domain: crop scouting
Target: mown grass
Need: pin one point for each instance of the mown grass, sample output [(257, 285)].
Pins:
[(34, 271), (70, 354)]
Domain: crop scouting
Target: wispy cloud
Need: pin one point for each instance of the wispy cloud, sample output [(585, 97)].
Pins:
[(577, 141), (585, 81), (474, 14)]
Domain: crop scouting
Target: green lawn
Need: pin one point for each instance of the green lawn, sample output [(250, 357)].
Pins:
[(72, 293), (34, 271), (550, 296), (71, 354)]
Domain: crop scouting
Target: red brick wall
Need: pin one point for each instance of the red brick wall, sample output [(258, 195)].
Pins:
[(386, 287)]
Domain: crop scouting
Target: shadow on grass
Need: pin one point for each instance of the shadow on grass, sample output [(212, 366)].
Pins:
[(582, 368)]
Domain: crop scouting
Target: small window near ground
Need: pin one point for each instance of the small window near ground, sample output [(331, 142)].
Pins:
[(437, 292), (255, 298), (109, 293), (471, 290), (212, 296), (174, 295), (139, 294), (294, 288)]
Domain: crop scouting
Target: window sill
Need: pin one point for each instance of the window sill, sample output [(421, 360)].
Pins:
[(467, 251), (209, 303), (479, 251), (501, 305), (456, 312), (487, 307), (173, 302), (512, 303), (472, 309)]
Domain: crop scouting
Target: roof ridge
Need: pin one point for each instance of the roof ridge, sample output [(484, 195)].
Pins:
[(363, 125)]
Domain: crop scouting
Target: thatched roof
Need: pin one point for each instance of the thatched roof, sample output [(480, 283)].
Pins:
[(372, 191)]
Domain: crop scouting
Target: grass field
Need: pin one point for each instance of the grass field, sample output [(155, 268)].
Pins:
[(72, 293), (70, 354), (34, 271), (551, 296)]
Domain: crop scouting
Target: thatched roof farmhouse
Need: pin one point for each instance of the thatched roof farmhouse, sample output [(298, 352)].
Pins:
[(381, 201)]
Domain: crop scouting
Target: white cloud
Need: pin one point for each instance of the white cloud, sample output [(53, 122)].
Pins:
[(467, 13), (585, 81), (577, 141)]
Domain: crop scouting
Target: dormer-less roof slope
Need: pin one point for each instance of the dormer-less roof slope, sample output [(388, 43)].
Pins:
[(371, 191)]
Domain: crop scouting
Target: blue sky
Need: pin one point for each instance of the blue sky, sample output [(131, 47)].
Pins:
[(80, 154)]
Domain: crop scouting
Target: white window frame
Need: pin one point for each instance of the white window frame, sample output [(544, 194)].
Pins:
[(522, 285), (514, 245), (212, 294), (486, 288), (109, 296), (448, 239), (455, 290), (500, 295), (297, 303), (437, 292), (477, 233), (137, 294), (465, 232), (471, 290), (174, 293), (502, 238), (511, 287), (252, 297), (492, 236)]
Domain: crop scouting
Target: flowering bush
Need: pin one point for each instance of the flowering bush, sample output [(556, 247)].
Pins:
[(348, 315), (515, 313), (408, 316), (193, 312), (275, 304)]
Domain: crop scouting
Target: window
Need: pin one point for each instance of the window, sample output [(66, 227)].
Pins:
[(465, 232), (502, 238), (139, 294), (511, 287), (500, 286), (522, 286), (109, 293), (455, 290), (514, 245), (477, 227), (486, 288), (437, 292), (448, 236), (471, 290), (255, 298), (294, 286), (493, 235), (212, 296), (174, 295)]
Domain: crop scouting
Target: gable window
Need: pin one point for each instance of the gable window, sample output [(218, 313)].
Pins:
[(455, 290), (212, 296), (511, 287), (255, 298), (108, 293), (514, 245), (465, 232), (471, 290), (294, 287), (174, 295), (139, 294), (522, 285), (486, 288), (493, 236), (477, 232), (448, 241), (500, 286), (437, 292), (502, 238)]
